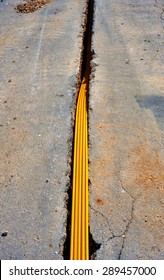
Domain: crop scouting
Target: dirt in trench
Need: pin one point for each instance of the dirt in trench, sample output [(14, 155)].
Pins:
[(31, 5)]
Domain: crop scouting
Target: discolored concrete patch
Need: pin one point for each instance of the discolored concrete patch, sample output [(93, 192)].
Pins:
[(155, 104)]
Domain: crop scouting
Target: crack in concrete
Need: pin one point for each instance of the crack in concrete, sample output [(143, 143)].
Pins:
[(126, 230), (104, 218), (162, 14), (122, 186), (160, 7), (130, 220), (156, 2), (127, 226)]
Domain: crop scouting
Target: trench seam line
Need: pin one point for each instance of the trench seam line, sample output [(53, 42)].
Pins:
[(79, 237)]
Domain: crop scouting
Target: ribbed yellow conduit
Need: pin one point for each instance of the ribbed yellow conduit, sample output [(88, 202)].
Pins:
[(79, 248)]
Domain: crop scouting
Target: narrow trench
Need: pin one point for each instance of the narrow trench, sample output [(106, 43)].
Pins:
[(85, 71)]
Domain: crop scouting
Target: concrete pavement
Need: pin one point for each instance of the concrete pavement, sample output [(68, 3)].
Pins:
[(126, 130), (40, 59)]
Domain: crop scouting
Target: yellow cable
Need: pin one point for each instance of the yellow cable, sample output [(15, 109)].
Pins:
[(79, 248)]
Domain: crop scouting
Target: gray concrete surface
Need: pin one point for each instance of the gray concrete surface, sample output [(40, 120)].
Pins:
[(40, 59), (126, 130)]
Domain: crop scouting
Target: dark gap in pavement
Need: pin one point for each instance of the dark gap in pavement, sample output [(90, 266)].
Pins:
[(93, 247), (85, 71)]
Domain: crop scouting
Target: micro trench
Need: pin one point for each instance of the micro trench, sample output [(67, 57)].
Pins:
[(85, 71)]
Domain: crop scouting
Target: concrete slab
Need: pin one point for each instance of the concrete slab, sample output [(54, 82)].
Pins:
[(126, 130), (40, 60)]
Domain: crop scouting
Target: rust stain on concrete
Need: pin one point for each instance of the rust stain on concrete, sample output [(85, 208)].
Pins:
[(99, 201)]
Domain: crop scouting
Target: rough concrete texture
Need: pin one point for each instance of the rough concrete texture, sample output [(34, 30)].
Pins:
[(126, 130), (40, 60)]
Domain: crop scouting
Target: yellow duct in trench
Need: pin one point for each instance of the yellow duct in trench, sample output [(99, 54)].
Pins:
[(79, 247)]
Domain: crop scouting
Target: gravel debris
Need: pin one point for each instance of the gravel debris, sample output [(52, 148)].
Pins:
[(31, 5)]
